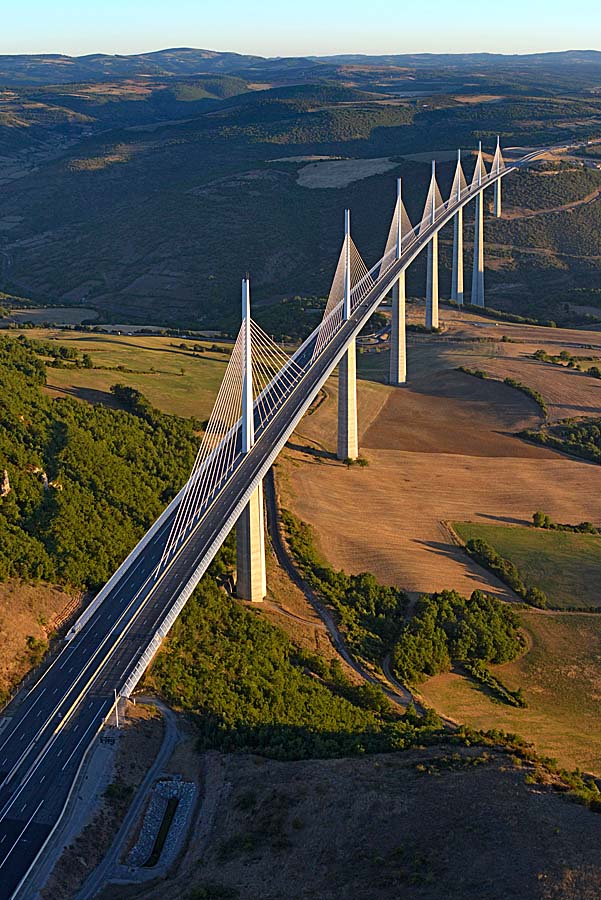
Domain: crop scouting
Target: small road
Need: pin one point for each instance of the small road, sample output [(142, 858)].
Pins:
[(102, 874), (394, 691)]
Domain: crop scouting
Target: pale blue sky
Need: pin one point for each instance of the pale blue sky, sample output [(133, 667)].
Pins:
[(280, 28)]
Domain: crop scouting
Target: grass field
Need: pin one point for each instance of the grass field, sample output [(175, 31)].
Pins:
[(173, 379), (566, 566), (561, 679)]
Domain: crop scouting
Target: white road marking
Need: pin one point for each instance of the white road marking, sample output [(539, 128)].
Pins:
[(25, 827)]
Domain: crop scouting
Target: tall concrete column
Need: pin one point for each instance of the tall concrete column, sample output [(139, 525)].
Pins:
[(398, 344), (348, 445), (497, 199), (477, 298), (432, 272), (432, 284), (457, 276), (251, 579)]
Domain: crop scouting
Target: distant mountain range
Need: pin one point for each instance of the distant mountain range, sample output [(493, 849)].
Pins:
[(185, 61)]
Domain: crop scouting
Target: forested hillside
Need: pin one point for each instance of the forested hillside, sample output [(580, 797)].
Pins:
[(142, 189), (85, 481)]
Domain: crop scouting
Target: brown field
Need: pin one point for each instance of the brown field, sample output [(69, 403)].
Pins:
[(441, 449)]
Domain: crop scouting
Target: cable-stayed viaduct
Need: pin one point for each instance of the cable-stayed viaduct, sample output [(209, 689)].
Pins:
[(265, 393)]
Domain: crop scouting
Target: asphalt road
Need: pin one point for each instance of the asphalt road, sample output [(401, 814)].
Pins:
[(50, 730)]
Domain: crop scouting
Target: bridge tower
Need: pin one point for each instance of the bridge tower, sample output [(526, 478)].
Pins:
[(398, 344), (251, 580), (432, 272), (457, 274), (497, 164), (477, 297), (348, 445)]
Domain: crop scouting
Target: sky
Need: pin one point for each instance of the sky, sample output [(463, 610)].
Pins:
[(304, 27)]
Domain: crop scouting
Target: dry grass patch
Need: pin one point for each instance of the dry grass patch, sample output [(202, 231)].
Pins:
[(26, 611), (561, 679), (420, 825)]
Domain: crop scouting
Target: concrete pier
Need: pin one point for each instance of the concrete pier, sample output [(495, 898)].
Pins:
[(398, 343), (348, 444), (432, 284), (251, 580), (457, 275), (477, 298), (497, 198)]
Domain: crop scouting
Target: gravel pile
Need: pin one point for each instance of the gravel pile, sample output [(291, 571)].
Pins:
[(162, 792)]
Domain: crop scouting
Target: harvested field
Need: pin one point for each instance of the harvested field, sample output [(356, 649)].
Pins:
[(561, 679), (440, 449)]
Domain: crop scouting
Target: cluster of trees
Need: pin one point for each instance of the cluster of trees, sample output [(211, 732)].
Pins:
[(504, 569), (542, 520), (567, 360), (578, 438), (447, 628), (110, 474), (250, 689), (371, 614)]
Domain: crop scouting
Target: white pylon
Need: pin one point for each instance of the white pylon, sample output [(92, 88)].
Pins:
[(347, 447), (496, 168), (398, 349), (251, 579), (477, 296), (457, 273), (248, 425), (432, 272), (347, 265)]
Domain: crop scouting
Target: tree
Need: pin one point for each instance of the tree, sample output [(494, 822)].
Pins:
[(87, 361)]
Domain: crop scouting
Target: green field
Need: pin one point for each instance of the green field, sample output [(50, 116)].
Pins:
[(182, 383), (566, 566), (561, 679)]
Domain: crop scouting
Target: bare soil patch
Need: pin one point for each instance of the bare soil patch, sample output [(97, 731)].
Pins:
[(341, 172), (426, 824)]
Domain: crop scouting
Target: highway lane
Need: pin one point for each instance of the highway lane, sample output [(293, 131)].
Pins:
[(50, 731)]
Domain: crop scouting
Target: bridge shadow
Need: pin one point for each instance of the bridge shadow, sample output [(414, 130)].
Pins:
[(472, 571), (90, 395), (316, 452), (508, 520)]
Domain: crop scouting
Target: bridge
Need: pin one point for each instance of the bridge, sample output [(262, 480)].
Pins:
[(47, 731)]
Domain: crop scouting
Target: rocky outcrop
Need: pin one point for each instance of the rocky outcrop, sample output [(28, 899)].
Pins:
[(4, 484)]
